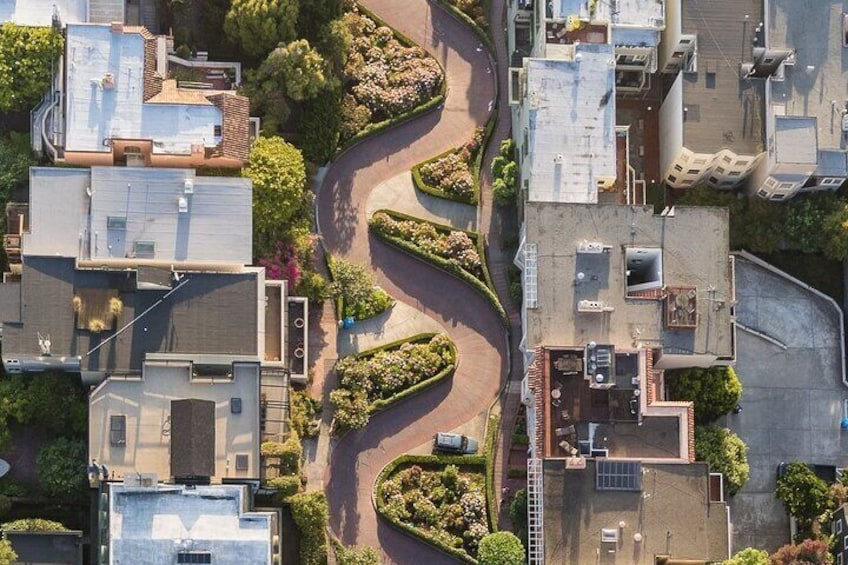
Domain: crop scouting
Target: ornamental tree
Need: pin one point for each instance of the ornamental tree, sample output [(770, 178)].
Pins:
[(33, 525), (311, 515), (356, 555), (715, 391), (500, 548), (279, 183), (808, 552), (726, 453), (297, 68), (804, 495), (748, 556), (26, 64), (7, 554), (258, 26), (61, 468)]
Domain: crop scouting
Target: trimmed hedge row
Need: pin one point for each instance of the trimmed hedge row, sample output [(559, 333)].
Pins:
[(384, 403), (371, 129), (484, 287), (489, 447), (427, 462), (421, 185), (481, 34)]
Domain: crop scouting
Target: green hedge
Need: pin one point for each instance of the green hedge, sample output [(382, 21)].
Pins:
[(481, 34), (489, 447), (338, 302), (484, 287), (421, 185), (371, 129), (427, 462), (384, 403)]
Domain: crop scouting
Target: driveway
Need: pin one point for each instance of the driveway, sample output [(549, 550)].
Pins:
[(792, 396)]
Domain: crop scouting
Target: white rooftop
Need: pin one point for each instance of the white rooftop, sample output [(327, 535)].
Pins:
[(144, 206), (158, 522), (638, 13), (795, 139), (40, 12), (95, 113), (571, 131)]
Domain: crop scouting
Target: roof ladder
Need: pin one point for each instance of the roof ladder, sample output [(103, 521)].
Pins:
[(535, 514)]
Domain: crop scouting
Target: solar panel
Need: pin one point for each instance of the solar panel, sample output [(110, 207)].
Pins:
[(618, 475)]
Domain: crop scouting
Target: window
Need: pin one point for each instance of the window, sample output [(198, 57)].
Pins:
[(727, 159), (241, 462), (688, 182), (678, 168), (713, 180), (768, 61), (235, 405), (778, 196), (693, 172), (837, 526), (762, 192), (786, 185), (672, 178), (144, 249), (116, 222), (720, 170), (218, 131), (524, 148), (194, 557), (845, 543), (734, 173), (118, 430), (830, 181), (839, 559)]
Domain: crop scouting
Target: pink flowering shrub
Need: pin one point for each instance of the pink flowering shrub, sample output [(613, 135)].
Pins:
[(282, 264), (385, 78), (454, 246), (452, 173)]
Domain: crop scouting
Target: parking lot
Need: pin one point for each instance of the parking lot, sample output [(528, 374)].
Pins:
[(792, 402)]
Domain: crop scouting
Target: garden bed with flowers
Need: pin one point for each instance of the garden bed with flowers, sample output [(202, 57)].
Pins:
[(439, 499), (459, 252), (377, 378), (388, 79), (453, 174)]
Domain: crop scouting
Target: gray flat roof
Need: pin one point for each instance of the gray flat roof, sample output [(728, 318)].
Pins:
[(216, 226), (723, 111), (636, 13), (157, 522), (95, 113), (571, 124), (213, 313), (47, 548), (671, 511), (795, 139), (40, 12), (815, 85), (694, 246)]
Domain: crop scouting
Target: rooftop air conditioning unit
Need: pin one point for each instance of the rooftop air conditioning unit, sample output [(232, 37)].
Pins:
[(188, 187), (559, 159), (182, 205)]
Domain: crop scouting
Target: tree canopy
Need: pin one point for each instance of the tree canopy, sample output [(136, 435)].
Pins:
[(715, 391), (726, 453), (748, 556), (299, 68), (500, 548), (33, 525), (7, 554), (258, 26), (61, 468), (808, 552), (278, 173), (26, 64), (804, 495)]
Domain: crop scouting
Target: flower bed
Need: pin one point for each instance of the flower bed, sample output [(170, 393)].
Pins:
[(452, 174), (388, 78), (439, 499), (458, 252), (375, 379)]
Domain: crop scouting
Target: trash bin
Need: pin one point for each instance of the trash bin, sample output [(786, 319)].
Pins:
[(348, 322)]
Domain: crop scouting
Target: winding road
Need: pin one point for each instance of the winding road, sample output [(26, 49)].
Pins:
[(466, 316)]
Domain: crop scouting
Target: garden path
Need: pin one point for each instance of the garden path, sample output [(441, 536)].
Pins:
[(399, 194), (399, 322), (472, 324)]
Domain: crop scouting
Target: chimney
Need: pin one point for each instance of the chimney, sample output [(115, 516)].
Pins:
[(117, 27)]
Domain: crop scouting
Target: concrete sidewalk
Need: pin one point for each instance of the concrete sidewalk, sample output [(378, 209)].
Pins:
[(399, 322), (399, 194)]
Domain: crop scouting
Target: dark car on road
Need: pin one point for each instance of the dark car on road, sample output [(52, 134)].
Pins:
[(454, 443)]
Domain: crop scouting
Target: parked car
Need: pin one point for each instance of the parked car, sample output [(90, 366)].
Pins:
[(454, 443)]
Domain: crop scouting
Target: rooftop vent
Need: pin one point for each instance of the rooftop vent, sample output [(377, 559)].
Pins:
[(188, 186), (609, 535), (182, 204), (559, 159)]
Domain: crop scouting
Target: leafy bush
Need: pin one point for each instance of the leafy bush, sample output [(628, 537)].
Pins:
[(61, 468), (808, 552), (748, 556), (286, 485), (356, 555), (715, 391), (297, 69), (420, 499), (804, 496), (505, 175), (27, 55), (33, 525), (278, 173), (320, 126), (303, 411), (7, 554), (15, 160), (310, 513), (501, 548), (726, 453), (355, 286), (382, 373), (258, 26), (383, 76), (518, 514)]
